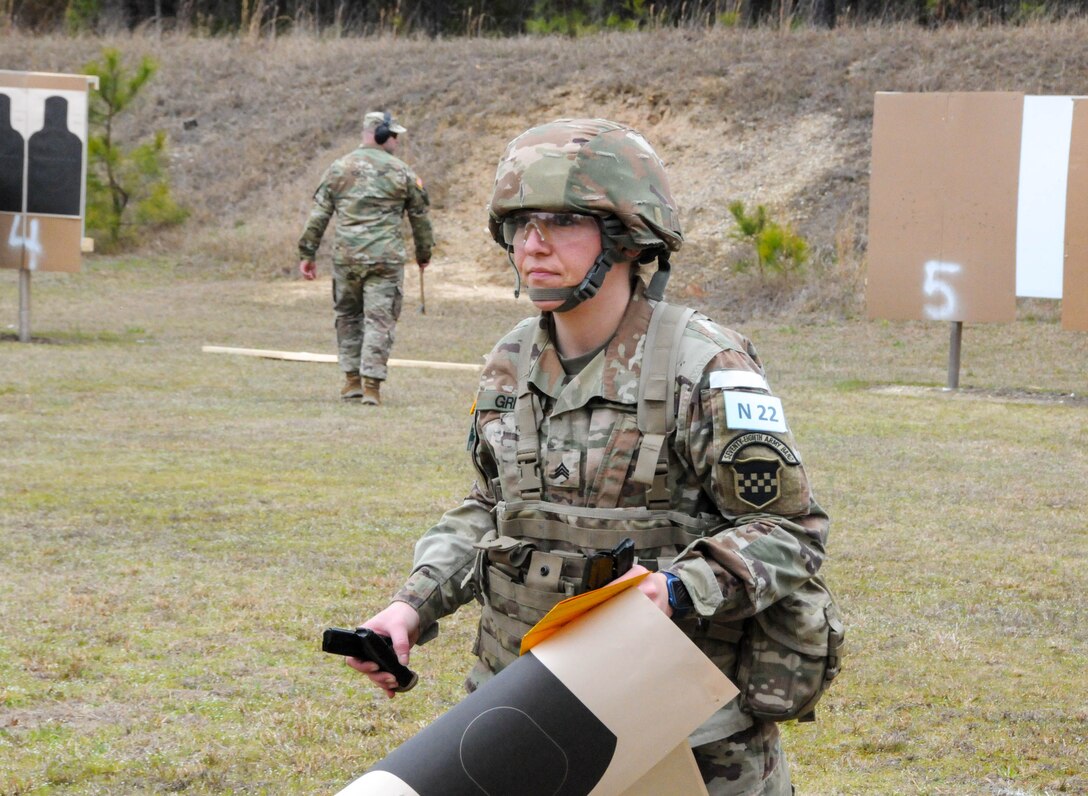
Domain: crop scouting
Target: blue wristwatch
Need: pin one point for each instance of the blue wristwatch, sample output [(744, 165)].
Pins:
[(679, 600)]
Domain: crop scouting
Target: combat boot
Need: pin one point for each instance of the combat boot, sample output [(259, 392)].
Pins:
[(352, 389), (372, 391)]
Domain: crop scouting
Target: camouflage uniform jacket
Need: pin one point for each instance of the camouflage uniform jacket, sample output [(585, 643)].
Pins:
[(369, 190), (766, 541)]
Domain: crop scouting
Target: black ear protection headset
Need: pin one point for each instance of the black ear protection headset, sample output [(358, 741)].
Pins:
[(382, 132)]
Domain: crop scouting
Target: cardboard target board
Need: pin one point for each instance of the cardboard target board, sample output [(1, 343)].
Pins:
[(603, 706), (942, 213), (43, 169), (1075, 274), (976, 198)]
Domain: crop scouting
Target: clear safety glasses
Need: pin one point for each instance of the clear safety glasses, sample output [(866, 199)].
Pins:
[(553, 228)]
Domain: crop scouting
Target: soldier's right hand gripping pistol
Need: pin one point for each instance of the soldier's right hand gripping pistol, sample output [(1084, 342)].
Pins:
[(366, 645)]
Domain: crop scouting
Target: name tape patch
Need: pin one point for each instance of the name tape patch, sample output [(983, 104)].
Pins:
[(493, 400)]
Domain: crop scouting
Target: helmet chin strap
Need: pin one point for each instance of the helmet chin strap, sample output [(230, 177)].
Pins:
[(551, 293), (611, 253), (517, 273), (573, 296), (655, 291)]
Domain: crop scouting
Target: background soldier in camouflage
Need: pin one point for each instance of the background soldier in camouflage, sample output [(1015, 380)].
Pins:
[(369, 190), (613, 413)]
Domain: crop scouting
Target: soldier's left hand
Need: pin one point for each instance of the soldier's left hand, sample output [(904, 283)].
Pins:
[(654, 586)]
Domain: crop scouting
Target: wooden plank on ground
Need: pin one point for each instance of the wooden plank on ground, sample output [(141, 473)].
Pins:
[(305, 356)]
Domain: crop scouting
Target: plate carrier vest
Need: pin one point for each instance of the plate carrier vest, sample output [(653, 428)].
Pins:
[(536, 556)]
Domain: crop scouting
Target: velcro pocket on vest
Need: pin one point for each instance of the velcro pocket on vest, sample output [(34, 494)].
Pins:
[(544, 571), (515, 600), (509, 555)]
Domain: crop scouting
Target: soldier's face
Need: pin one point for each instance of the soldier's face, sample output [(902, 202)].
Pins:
[(555, 252)]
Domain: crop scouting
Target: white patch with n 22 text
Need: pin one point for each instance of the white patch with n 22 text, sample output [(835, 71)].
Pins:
[(751, 412)]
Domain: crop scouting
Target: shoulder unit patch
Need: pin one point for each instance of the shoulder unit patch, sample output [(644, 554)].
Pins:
[(756, 481), (738, 444)]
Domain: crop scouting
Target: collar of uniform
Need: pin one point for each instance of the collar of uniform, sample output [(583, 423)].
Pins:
[(612, 375)]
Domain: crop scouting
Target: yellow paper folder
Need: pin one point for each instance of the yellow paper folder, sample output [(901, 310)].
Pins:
[(573, 607)]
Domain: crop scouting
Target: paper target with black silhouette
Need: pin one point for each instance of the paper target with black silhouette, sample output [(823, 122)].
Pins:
[(591, 709), (43, 167), (551, 744)]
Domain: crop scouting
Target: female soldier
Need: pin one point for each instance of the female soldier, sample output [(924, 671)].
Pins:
[(613, 414)]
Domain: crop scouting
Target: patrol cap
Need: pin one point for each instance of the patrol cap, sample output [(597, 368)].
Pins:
[(376, 118)]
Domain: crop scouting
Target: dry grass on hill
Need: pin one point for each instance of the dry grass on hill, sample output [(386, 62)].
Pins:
[(776, 118)]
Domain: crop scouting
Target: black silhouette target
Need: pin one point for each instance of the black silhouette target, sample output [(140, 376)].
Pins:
[(54, 164), (534, 762), (12, 153), (522, 733)]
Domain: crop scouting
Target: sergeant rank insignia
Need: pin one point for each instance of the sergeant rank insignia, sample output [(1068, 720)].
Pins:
[(756, 481)]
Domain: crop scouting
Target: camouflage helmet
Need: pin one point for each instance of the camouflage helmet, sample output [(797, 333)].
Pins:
[(590, 166)]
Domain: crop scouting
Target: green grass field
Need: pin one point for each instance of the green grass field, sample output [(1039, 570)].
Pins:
[(176, 529)]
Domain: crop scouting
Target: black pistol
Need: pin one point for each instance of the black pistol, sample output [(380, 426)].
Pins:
[(366, 645), (604, 567)]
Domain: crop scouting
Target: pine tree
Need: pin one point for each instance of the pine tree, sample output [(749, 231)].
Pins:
[(127, 189)]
